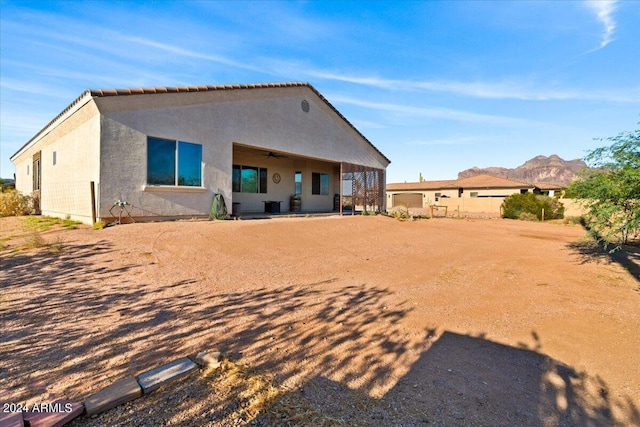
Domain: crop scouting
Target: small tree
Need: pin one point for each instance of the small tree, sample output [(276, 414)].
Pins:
[(528, 203), (611, 190)]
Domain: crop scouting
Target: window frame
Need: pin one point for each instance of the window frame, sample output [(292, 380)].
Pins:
[(297, 183), (176, 167), (237, 178), (318, 187)]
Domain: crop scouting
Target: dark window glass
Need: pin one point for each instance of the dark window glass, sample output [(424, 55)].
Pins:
[(36, 175), (319, 183), (237, 178), (324, 184), (249, 179), (161, 161), (189, 164), (263, 180)]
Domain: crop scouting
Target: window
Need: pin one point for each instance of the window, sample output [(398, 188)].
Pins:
[(55, 157), (36, 175), (172, 162), (249, 179), (319, 183), (298, 182), (473, 194)]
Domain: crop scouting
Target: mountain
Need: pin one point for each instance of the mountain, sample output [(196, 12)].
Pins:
[(552, 169)]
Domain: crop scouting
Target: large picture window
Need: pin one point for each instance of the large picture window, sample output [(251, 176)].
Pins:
[(249, 179), (172, 162), (320, 183)]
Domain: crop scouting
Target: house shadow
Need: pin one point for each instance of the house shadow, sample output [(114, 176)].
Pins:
[(337, 346), (465, 380)]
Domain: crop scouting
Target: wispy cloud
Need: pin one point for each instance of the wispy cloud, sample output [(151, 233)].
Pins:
[(462, 140), (506, 89), (604, 11), (431, 112), (177, 50)]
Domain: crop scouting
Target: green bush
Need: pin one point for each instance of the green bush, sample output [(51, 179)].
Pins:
[(13, 203), (517, 204), (527, 216)]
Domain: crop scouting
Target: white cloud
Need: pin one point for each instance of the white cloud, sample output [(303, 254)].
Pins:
[(604, 11), (432, 112), (506, 89)]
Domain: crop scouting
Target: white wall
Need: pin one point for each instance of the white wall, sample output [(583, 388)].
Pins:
[(65, 187)]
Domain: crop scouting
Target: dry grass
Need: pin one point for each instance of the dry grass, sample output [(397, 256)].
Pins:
[(34, 240), (13, 203)]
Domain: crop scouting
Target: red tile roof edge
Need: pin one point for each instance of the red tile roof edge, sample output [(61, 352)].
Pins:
[(456, 183), (202, 88)]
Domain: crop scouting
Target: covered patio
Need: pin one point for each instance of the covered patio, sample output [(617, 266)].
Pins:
[(272, 183)]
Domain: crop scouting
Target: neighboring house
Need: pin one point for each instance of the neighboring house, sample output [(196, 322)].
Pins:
[(168, 151), (426, 193), (547, 189)]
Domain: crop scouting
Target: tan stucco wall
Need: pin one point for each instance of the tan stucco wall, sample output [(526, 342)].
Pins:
[(266, 118), (448, 197), (65, 187), (573, 207), (282, 191), (491, 192)]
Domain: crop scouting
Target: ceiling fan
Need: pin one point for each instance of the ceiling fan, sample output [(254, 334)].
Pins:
[(273, 155)]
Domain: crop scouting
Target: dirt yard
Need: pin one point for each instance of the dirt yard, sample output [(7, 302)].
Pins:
[(365, 320)]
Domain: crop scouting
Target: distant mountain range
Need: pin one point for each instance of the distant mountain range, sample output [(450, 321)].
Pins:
[(552, 169)]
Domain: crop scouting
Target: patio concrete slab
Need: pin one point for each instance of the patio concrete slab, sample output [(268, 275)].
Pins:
[(155, 378), (56, 415), (117, 393)]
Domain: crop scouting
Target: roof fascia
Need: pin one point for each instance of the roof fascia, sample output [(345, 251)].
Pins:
[(78, 103)]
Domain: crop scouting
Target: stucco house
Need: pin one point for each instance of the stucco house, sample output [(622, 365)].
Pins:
[(167, 151), (426, 193)]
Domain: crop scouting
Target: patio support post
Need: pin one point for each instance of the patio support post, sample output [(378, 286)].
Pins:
[(340, 189)]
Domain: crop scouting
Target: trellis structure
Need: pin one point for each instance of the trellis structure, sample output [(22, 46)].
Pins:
[(367, 187)]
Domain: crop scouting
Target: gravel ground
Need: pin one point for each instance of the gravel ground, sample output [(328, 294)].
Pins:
[(327, 321)]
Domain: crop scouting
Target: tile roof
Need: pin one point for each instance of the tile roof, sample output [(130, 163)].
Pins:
[(203, 88), (477, 181), (490, 181), (424, 185), (548, 186)]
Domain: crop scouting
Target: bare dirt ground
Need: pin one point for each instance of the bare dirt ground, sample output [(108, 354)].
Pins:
[(353, 320)]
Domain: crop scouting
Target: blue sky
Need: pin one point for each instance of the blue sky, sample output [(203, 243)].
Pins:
[(437, 86)]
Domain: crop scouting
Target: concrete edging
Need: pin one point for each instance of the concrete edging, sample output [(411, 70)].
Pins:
[(121, 391)]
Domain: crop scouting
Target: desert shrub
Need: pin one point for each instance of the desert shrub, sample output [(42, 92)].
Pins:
[(13, 203), (401, 213), (516, 204), (527, 216), (573, 220), (35, 240)]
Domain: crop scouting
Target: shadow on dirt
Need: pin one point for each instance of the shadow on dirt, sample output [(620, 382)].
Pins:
[(628, 257), (464, 380), (338, 347)]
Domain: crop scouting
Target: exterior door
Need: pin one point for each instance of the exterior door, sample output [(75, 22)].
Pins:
[(37, 180)]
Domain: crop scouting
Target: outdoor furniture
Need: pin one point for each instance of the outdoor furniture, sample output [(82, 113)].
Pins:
[(272, 206)]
